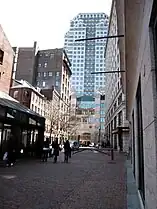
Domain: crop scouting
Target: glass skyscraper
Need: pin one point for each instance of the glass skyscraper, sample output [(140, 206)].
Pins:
[(87, 56)]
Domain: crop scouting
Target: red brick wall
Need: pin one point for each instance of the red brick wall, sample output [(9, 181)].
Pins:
[(21, 96), (6, 67)]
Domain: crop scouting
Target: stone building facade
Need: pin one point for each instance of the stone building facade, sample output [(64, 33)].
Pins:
[(114, 97), (137, 20)]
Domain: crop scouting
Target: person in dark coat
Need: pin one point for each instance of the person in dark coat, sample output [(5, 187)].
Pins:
[(67, 151), (56, 148), (45, 150), (11, 151)]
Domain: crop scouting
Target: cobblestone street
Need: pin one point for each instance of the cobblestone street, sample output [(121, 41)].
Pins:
[(89, 181)]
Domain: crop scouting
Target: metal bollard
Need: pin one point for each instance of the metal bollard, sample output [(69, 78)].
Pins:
[(112, 154)]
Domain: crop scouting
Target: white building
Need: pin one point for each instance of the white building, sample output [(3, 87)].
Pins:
[(115, 99), (87, 56)]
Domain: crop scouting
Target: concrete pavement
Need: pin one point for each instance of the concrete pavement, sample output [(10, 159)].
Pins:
[(89, 181)]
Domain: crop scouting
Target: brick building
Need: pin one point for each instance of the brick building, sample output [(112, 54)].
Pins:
[(44, 69), (6, 61), (24, 66)]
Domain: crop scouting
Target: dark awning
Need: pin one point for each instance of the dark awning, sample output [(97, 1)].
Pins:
[(16, 106)]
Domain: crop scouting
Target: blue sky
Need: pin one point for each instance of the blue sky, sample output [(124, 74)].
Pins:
[(44, 21)]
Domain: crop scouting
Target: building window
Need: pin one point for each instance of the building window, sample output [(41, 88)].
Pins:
[(115, 106), (120, 118), (133, 144), (15, 95), (1, 56), (51, 56), (120, 99), (44, 83), (26, 93), (57, 73), (50, 73), (140, 153), (153, 25), (45, 65), (44, 74), (39, 65), (120, 81), (39, 74)]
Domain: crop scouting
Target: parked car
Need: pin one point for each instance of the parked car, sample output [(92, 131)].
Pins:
[(74, 145), (91, 145)]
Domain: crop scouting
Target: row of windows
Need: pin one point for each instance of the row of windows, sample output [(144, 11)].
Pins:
[(50, 74), (74, 74), (92, 15), (77, 78), (43, 84), (47, 54), (88, 84)]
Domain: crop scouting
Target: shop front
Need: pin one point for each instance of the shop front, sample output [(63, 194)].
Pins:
[(26, 126)]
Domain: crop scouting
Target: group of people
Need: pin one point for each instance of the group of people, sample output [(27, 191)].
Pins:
[(55, 150)]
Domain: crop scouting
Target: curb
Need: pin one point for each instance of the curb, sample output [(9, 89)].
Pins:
[(105, 153), (77, 152)]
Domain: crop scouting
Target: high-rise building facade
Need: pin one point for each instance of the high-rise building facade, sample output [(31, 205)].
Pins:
[(87, 56)]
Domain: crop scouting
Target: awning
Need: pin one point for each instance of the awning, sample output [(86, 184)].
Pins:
[(7, 102), (17, 106)]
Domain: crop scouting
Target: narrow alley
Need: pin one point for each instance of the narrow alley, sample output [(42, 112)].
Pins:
[(89, 181)]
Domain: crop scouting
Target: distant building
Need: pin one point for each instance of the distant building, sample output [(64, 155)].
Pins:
[(45, 69), (54, 69), (24, 66), (6, 61), (85, 125), (87, 56)]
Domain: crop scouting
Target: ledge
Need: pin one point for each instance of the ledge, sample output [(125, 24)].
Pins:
[(133, 201)]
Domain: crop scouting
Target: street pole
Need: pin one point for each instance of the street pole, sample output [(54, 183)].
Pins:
[(112, 151), (99, 135)]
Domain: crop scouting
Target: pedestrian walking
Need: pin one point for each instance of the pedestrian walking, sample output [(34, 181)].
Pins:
[(45, 150), (56, 150), (67, 151), (11, 158), (61, 154)]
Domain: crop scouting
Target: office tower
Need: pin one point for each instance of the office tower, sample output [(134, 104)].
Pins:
[(87, 56)]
